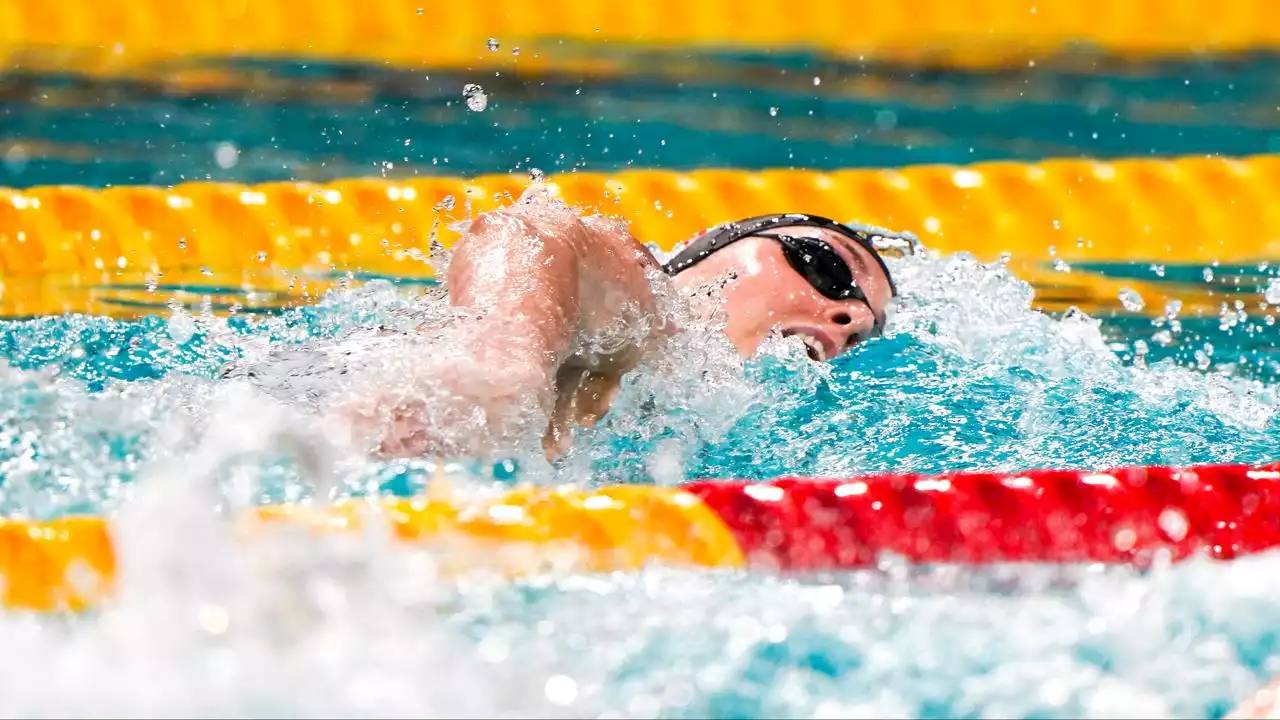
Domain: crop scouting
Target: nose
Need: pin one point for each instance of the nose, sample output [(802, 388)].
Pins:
[(851, 324)]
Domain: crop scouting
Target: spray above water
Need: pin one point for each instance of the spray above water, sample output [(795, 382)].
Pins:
[(176, 423), (475, 97)]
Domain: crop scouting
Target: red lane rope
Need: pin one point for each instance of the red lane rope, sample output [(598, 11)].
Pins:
[(1127, 515)]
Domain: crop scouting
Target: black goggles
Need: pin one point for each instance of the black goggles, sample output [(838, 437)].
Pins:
[(813, 258)]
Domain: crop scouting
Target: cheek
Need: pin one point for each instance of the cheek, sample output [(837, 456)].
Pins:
[(760, 301)]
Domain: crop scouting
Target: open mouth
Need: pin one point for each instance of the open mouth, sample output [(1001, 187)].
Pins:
[(817, 351)]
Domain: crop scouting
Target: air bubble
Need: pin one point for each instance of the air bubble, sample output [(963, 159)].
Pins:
[(492, 44)]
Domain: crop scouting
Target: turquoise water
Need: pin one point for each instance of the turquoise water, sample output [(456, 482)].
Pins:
[(135, 418), (930, 397), (318, 121), (105, 411)]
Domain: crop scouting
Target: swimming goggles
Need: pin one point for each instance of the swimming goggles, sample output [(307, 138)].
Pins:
[(813, 258)]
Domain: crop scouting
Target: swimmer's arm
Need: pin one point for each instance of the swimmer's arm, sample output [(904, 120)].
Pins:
[(541, 294), (515, 275), (546, 281)]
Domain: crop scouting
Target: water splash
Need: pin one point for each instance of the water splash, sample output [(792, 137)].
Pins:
[(475, 97), (171, 437)]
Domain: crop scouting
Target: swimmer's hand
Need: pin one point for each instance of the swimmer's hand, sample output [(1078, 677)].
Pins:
[(554, 310)]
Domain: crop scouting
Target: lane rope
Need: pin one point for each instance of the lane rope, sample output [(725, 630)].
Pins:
[(55, 240), (112, 36), (1141, 516)]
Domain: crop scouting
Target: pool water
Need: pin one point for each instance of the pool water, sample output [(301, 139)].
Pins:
[(135, 419), (256, 121)]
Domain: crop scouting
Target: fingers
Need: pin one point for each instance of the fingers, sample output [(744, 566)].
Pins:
[(583, 397), (559, 433), (594, 395)]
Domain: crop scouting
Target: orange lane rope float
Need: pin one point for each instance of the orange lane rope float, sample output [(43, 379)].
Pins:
[(113, 36), (104, 251)]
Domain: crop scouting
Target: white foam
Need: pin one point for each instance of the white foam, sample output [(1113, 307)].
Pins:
[(356, 626)]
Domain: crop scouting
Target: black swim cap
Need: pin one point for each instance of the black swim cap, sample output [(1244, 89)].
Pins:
[(721, 236)]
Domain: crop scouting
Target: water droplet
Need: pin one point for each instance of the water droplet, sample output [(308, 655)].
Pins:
[(817, 81), (665, 465), (1061, 265), (561, 689), (83, 577), (1272, 293), (1158, 270), (1174, 524), (1163, 338), (1131, 300), (477, 101), (1057, 224), (493, 648), (1208, 274), (773, 112), (492, 44), (226, 154), (1124, 539), (214, 619), (181, 327), (16, 158)]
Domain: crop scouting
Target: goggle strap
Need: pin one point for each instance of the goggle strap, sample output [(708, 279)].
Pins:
[(724, 235)]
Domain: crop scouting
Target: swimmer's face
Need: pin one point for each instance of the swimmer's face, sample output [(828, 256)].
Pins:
[(761, 292)]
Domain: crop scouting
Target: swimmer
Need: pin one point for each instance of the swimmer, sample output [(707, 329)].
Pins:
[(558, 307)]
